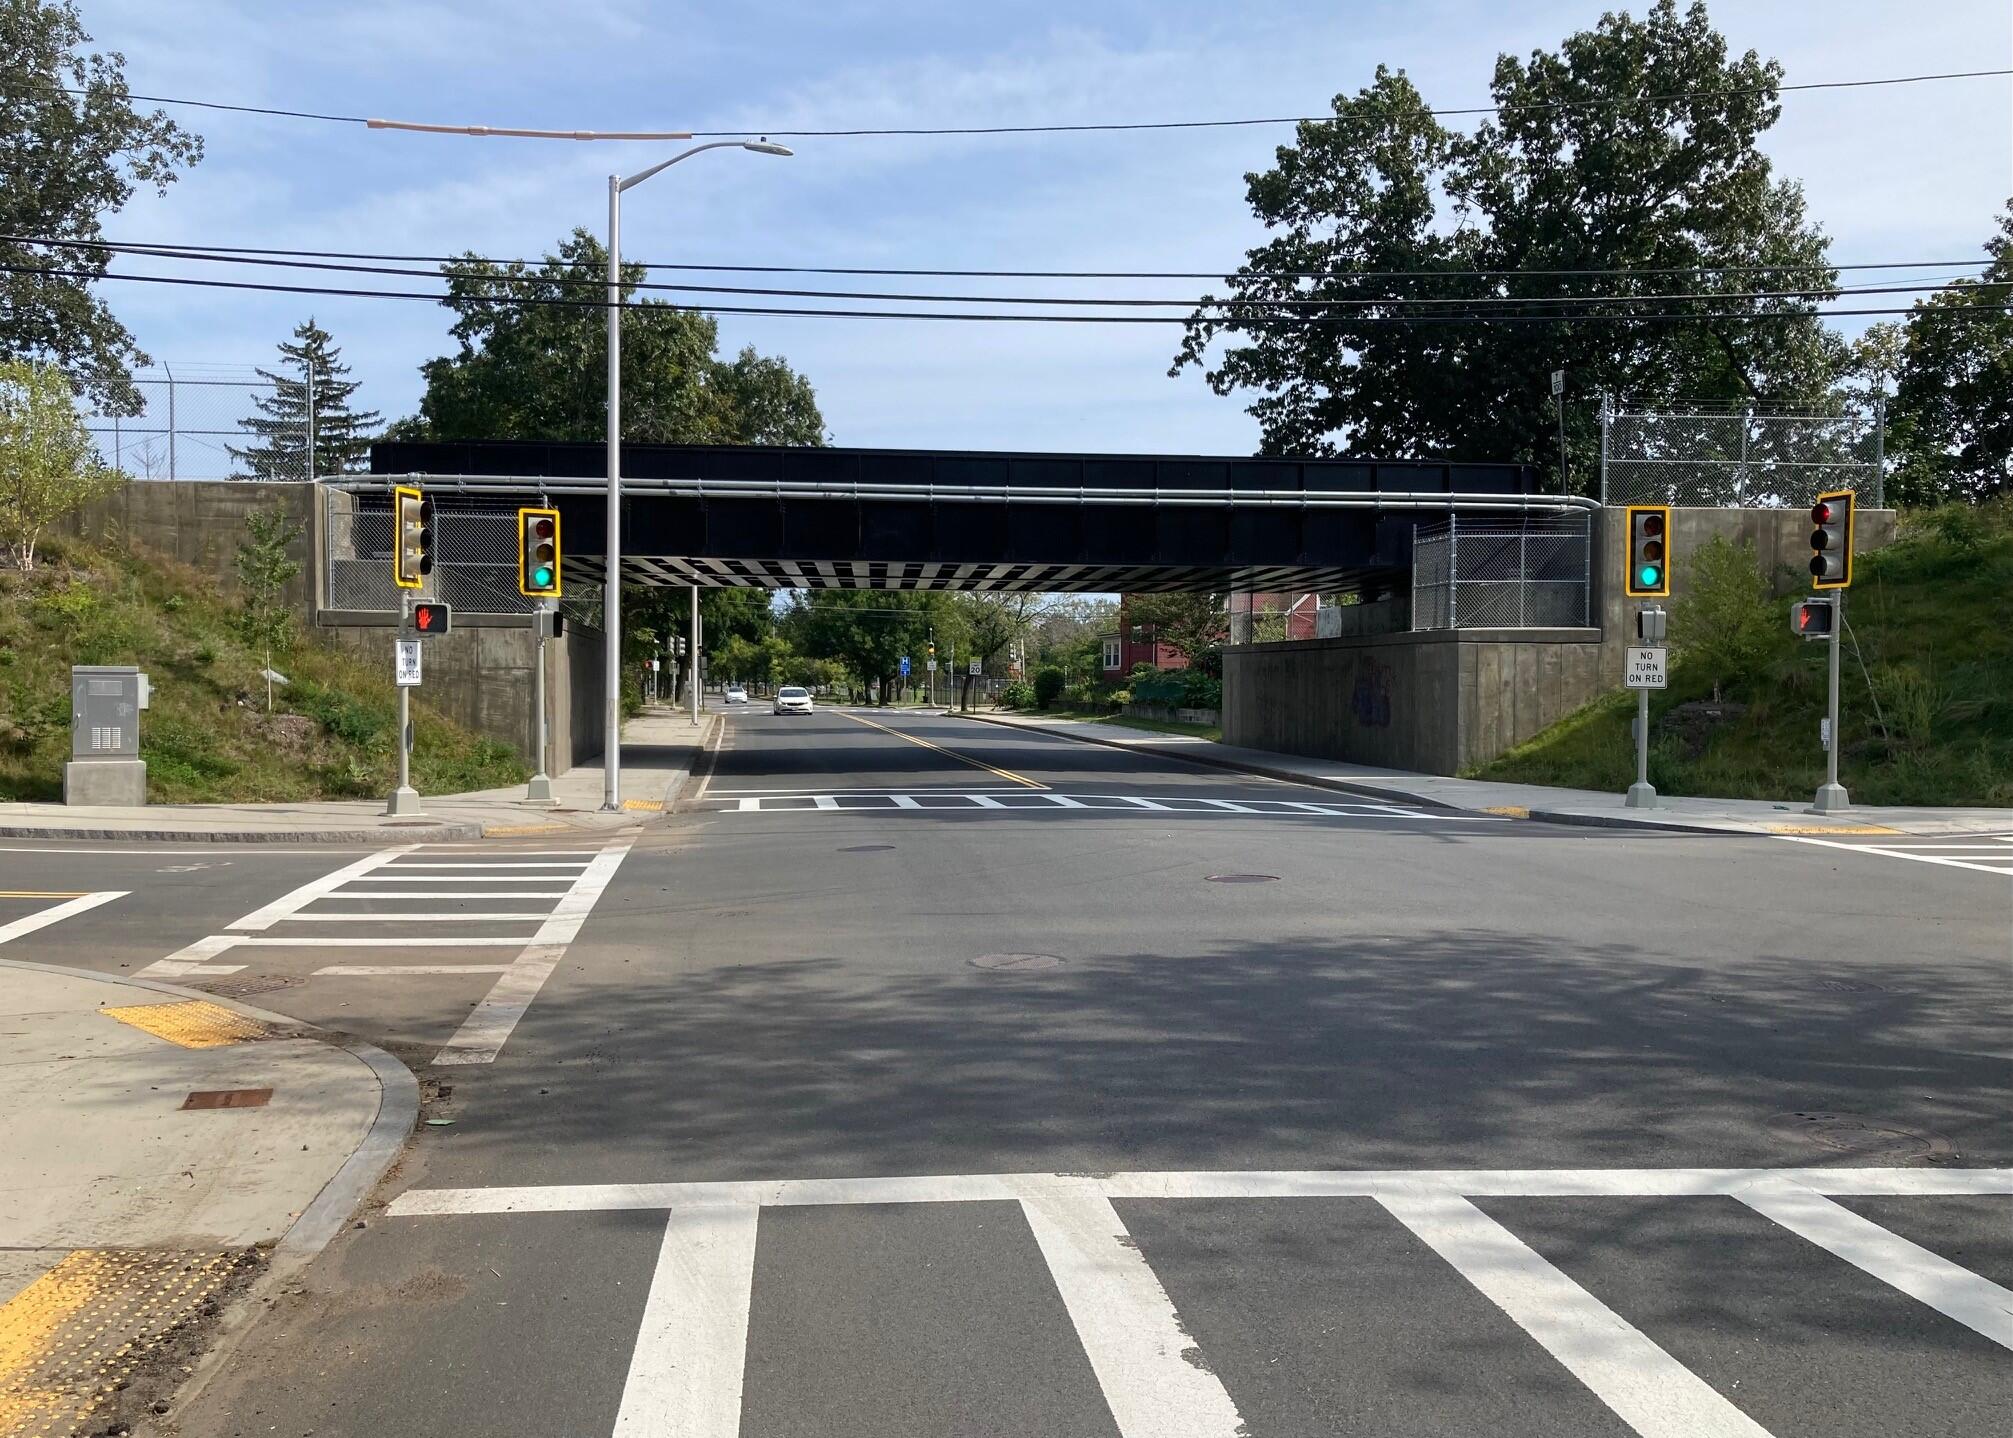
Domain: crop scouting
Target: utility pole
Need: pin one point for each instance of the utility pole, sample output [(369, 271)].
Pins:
[(695, 654), (1559, 403)]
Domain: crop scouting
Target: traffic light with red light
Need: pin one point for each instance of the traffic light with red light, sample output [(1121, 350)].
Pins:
[(430, 618), (538, 553), (1649, 575), (1811, 618), (412, 552), (1831, 540)]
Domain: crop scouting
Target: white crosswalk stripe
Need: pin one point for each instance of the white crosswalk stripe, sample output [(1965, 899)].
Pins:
[(939, 802), (553, 915), (686, 1371), (1981, 853)]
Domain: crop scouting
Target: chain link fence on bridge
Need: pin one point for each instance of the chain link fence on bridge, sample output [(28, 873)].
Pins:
[(1489, 574), (190, 424), (475, 556), (1741, 459)]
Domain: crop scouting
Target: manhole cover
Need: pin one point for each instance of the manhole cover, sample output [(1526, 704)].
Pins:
[(1863, 1137), (1016, 961), (1243, 878), (865, 848), (228, 1098)]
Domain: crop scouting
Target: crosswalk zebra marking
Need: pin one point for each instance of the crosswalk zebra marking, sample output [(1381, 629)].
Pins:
[(943, 802), (685, 1375)]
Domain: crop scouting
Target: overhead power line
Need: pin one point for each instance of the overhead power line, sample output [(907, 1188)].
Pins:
[(1191, 302), (596, 271), (1737, 316), (1117, 126)]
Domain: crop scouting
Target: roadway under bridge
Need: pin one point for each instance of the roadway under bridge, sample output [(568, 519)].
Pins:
[(937, 519)]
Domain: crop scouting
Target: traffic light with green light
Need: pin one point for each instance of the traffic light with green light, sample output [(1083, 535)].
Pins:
[(1649, 575), (538, 553), (1831, 541)]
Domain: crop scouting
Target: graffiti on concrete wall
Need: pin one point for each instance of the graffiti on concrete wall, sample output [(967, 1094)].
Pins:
[(1370, 701)]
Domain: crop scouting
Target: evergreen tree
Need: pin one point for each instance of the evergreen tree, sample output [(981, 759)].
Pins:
[(342, 436)]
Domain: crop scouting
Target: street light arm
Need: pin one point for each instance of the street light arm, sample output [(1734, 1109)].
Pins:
[(641, 175)]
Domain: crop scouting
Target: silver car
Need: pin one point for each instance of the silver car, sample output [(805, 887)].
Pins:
[(791, 699), (735, 694)]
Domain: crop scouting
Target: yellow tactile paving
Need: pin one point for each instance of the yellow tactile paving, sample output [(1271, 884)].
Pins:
[(650, 805), (192, 1023), (73, 1337), (1510, 811), (1832, 829)]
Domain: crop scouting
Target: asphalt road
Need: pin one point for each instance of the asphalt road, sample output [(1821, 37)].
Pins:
[(1202, 1104)]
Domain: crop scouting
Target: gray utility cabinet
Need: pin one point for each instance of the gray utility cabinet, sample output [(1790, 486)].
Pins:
[(105, 767)]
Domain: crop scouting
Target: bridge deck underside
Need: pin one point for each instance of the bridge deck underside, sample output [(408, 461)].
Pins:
[(1044, 578)]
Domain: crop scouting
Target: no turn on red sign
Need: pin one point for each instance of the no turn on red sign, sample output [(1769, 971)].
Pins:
[(1646, 669)]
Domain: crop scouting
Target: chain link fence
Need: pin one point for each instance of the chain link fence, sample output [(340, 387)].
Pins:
[(475, 556), (1477, 574), (190, 423), (1739, 459)]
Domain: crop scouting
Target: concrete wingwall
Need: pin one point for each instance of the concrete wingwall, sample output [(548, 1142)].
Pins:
[(202, 523), (1445, 701)]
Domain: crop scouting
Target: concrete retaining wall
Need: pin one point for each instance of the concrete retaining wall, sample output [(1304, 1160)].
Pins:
[(1435, 702), (202, 523)]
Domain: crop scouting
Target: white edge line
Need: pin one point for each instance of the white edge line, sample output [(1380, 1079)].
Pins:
[(385, 971), (43, 918)]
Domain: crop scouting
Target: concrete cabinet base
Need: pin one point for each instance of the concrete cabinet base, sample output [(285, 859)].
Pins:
[(106, 782)]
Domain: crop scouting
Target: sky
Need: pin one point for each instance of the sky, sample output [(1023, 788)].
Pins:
[(1900, 173)]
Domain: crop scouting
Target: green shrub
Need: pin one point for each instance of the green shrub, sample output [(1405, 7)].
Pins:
[(1048, 685), (344, 716), (1201, 691), (1726, 624), (1165, 687), (1017, 694)]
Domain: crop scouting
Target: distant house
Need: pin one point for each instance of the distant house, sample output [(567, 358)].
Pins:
[(1132, 645), (1136, 644)]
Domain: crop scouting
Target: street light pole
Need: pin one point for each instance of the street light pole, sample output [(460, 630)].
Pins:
[(611, 599)]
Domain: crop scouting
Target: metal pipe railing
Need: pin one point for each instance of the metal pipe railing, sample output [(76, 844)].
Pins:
[(1435, 501)]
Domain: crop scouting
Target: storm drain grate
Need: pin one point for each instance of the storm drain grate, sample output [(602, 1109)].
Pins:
[(1016, 961)]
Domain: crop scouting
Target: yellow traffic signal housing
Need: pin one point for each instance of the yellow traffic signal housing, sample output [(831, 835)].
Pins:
[(538, 553), (1831, 540), (412, 537), (1649, 571)]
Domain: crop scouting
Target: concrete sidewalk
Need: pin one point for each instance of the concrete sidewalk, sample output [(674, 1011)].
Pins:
[(151, 1137), (1524, 801), (659, 749)]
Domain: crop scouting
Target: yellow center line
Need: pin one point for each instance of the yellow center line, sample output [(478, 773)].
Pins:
[(34, 894), (963, 758)]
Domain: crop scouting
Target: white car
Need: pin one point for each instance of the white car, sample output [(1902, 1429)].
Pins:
[(735, 694), (791, 699)]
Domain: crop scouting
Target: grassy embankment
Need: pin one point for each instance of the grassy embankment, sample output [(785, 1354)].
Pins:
[(206, 737), (1926, 692)]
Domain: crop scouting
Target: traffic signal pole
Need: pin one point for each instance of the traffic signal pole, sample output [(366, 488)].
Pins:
[(1831, 795), (405, 798), (1642, 794), (539, 790)]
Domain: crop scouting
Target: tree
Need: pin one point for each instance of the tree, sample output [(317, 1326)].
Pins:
[(1196, 624), (991, 622), (48, 464), (1564, 178), (264, 571), (538, 370), (68, 161), (1726, 622), (1953, 403), (342, 436), (868, 631)]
